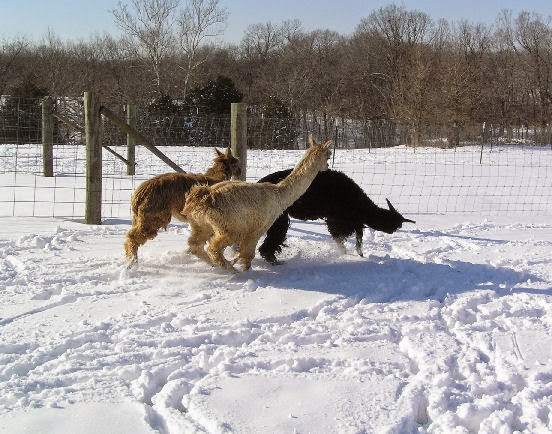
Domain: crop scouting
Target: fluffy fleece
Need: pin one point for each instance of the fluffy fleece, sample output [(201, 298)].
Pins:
[(156, 200), (239, 212), (336, 198)]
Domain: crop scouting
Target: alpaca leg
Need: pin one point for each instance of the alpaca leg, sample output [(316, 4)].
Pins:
[(275, 237), (340, 241), (359, 233), (197, 240), (144, 228), (215, 250), (131, 247), (160, 220), (135, 237), (247, 253), (236, 257), (339, 230)]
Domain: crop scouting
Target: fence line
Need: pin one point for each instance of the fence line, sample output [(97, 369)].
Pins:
[(511, 179)]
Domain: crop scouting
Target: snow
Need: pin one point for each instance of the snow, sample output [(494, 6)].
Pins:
[(443, 326)]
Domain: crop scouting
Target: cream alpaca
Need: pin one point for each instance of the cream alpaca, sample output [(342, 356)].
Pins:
[(240, 212), (158, 199)]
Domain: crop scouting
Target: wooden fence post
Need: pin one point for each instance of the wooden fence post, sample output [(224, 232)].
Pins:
[(92, 119), (47, 137), (238, 134), (131, 145)]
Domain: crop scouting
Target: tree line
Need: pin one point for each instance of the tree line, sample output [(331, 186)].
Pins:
[(398, 66)]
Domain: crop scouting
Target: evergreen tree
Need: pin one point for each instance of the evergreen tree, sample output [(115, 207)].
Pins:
[(216, 96), (21, 113)]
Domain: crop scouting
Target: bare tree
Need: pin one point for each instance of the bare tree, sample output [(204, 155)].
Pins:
[(198, 21), (510, 87), (260, 53), (261, 41), (406, 39), (10, 51), (534, 37), (53, 62), (148, 24), (465, 72)]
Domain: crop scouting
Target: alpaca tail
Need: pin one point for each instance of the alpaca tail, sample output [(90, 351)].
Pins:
[(139, 196), (198, 199)]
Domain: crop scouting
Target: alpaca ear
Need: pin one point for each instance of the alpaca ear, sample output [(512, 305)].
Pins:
[(228, 152), (218, 153), (392, 209), (328, 144), (311, 140)]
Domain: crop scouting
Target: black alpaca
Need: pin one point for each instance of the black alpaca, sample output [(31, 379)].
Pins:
[(335, 197)]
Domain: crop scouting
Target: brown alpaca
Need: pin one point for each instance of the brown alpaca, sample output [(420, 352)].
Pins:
[(240, 212), (156, 200)]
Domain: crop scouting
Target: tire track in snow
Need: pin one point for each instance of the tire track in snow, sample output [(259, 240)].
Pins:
[(515, 346)]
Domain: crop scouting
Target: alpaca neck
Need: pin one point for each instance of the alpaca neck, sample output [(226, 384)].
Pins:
[(298, 181), (216, 172)]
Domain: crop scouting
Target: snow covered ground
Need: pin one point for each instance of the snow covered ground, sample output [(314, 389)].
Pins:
[(443, 327)]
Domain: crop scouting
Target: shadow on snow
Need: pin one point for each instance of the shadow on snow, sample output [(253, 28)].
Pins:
[(387, 279)]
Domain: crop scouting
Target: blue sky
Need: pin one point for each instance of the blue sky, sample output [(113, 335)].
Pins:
[(80, 19)]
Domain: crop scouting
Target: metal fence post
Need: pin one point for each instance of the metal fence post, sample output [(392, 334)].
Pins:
[(92, 118), (47, 137), (238, 134)]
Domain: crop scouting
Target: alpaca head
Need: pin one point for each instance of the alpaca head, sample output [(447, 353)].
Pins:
[(393, 221), (320, 152), (225, 165)]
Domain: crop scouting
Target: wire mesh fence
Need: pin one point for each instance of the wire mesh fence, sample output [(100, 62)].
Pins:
[(503, 180), (493, 172)]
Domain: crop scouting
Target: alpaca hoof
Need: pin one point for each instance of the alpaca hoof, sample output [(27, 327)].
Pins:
[(131, 263), (270, 258), (276, 262), (231, 269)]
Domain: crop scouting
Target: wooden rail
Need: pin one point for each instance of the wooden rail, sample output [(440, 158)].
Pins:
[(139, 138)]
